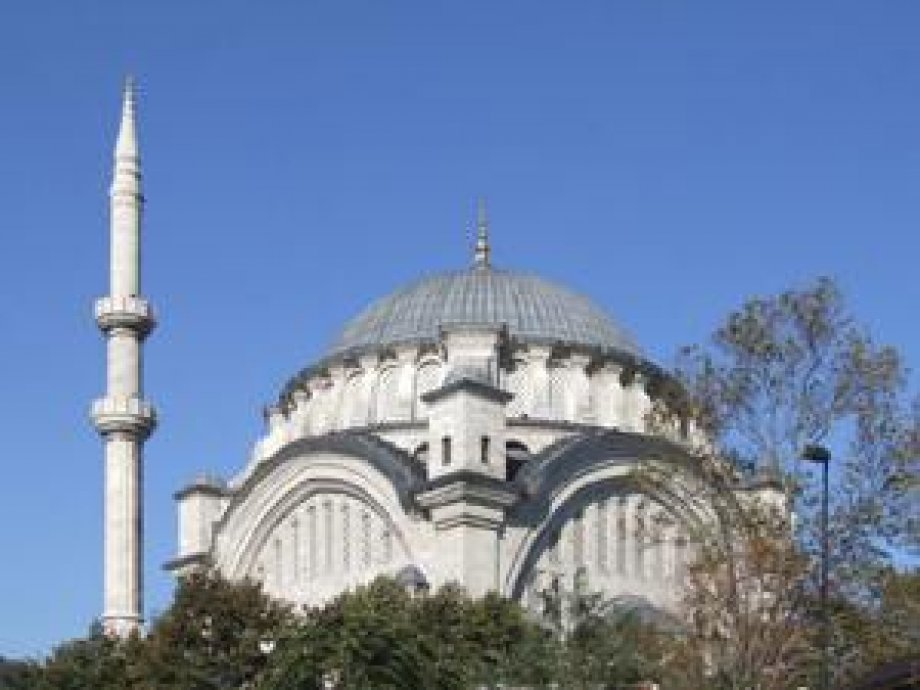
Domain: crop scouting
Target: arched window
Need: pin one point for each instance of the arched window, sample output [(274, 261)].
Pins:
[(346, 536), (386, 544), (311, 539), (445, 451), (366, 538), (621, 537), (278, 565), (640, 541), (516, 454), (328, 536), (295, 551), (600, 534), (578, 538)]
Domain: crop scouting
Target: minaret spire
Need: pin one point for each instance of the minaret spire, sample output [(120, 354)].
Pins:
[(481, 255), (126, 144), (123, 418)]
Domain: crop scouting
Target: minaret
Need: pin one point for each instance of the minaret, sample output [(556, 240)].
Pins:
[(123, 418)]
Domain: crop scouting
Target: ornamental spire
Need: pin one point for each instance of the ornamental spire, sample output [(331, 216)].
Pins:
[(483, 250), (126, 144)]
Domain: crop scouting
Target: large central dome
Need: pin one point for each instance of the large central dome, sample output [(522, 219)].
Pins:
[(531, 308)]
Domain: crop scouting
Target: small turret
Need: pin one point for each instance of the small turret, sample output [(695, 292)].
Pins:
[(467, 492)]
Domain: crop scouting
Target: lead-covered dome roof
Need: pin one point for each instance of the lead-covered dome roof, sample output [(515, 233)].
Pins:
[(531, 308)]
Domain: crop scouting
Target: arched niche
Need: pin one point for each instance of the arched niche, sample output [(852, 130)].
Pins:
[(320, 516), (324, 539), (612, 538), (587, 507)]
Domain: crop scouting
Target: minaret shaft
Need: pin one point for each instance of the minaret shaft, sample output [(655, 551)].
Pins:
[(122, 417), (125, 278), (124, 372), (123, 517)]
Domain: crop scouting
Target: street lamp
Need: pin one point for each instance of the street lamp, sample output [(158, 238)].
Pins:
[(822, 456)]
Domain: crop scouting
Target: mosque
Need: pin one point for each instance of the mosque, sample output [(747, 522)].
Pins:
[(480, 426)]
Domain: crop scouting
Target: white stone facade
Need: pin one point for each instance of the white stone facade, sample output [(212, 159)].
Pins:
[(451, 457)]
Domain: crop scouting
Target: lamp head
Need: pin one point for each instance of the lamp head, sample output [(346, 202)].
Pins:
[(817, 454)]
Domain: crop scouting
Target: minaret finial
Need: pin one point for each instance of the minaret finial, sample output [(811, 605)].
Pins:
[(483, 250)]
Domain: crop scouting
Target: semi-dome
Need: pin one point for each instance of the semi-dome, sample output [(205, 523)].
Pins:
[(531, 308)]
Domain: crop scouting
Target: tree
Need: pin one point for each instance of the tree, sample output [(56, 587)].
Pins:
[(379, 636), (17, 675), (363, 639), (795, 369), (504, 643), (216, 634), (888, 633), (611, 647), (780, 373), (97, 662)]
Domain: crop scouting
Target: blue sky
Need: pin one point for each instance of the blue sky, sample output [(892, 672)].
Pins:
[(669, 159)]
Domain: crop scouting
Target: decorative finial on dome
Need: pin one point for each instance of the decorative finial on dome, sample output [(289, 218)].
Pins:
[(483, 250)]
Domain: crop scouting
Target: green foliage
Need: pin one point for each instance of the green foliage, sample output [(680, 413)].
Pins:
[(360, 640), (18, 675), (213, 636), (608, 649), (218, 634), (381, 637), (97, 662)]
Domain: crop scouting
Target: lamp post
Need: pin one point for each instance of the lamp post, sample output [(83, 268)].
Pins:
[(822, 456)]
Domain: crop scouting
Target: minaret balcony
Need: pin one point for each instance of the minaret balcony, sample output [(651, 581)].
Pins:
[(126, 415), (130, 312)]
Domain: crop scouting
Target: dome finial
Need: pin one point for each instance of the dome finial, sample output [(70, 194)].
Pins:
[(482, 251)]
